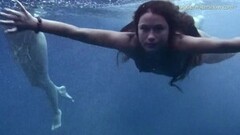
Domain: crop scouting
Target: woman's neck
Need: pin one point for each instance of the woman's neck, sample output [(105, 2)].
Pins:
[(157, 56)]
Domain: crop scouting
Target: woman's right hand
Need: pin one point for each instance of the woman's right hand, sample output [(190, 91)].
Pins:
[(18, 20)]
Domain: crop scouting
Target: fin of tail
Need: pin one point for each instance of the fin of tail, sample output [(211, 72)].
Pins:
[(198, 21), (57, 120), (63, 92)]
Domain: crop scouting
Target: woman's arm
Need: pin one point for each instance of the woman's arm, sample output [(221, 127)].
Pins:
[(104, 38), (191, 44), (23, 20)]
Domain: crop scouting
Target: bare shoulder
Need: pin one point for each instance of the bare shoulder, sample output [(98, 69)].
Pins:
[(178, 41), (129, 42), (190, 44)]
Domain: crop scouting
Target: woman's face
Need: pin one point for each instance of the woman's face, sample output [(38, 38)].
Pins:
[(153, 32)]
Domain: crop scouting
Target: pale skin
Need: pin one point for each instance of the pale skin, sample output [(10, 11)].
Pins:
[(153, 33), (30, 50)]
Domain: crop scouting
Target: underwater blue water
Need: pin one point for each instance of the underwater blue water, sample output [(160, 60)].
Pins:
[(119, 100)]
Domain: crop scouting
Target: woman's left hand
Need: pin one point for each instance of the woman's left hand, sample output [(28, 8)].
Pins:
[(18, 20)]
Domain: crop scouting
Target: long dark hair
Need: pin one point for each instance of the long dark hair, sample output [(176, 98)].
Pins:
[(177, 21)]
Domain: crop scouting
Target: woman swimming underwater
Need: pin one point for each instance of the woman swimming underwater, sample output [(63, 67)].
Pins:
[(160, 39)]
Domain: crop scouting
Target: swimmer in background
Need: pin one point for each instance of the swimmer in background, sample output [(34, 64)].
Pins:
[(30, 51)]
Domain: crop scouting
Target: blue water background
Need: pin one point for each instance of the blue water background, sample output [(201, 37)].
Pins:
[(119, 100)]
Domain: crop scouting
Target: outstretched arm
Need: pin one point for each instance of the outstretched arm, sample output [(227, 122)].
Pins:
[(23, 20), (191, 44)]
